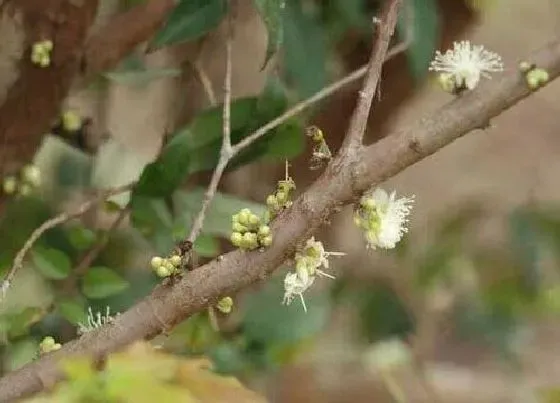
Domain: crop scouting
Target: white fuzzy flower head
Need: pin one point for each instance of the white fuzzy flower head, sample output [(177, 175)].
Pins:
[(294, 286), (384, 218), (467, 63)]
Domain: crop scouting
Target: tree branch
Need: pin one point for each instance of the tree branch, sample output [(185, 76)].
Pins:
[(170, 304), (384, 28)]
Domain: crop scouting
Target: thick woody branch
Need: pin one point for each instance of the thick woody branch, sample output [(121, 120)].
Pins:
[(170, 304)]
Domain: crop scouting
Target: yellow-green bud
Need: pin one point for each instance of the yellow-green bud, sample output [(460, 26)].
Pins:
[(163, 271), (156, 262), (236, 239), (267, 217), (244, 217), (32, 175), (368, 203), (71, 121), (446, 82), (317, 135), (254, 220), (271, 201), (225, 305), (246, 211), (264, 230), (24, 189), (543, 75), (169, 265), (267, 241), (9, 185), (533, 80), (175, 260), (250, 240), (44, 61), (48, 344), (47, 45), (281, 197), (239, 228)]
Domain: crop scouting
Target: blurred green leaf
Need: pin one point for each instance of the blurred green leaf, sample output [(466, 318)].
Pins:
[(525, 245), (305, 50), (424, 32), (271, 12), (72, 309), (20, 322), (153, 219), (51, 263), (102, 282), (267, 320), (20, 353), (206, 246), (81, 237), (218, 216), (189, 20)]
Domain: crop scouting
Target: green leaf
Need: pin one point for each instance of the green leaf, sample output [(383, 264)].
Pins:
[(81, 237), (51, 263), (305, 50), (163, 176), (425, 33), (20, 322), (271, 12), (20, 353), (189, 20), (102, 282), (73, 310), (206, 246), (218, 216)]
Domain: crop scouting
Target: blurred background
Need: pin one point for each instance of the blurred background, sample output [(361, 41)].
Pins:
[(464, 310)]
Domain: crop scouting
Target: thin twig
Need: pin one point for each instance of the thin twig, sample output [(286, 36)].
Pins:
[(52, 223), (226, 150), (205, 81), (314, 99), (384, 28)]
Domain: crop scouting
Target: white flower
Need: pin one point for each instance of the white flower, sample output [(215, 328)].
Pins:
[(467, 63), (294, 286), (95, 321), (384, 217)]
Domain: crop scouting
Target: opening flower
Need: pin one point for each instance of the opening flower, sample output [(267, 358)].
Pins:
[(295, 286), (94, 321), (466, 64), (384, 218)]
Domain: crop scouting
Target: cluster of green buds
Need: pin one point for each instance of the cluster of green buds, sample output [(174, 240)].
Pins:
[(29, 179), (280, 199), (321, 152), (248, 231), (41, 53), (165, 267), (534, 76), (225, 305), (49, 344)]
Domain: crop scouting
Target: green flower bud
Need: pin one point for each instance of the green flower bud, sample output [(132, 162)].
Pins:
[(245, 211), (367, 203), (24, 189), (47, 45), (236, 239), (175, 260), (446, 82), (533, 80), (239, 228), (271, 201), (49, 344), (156, 262), (264, 230), (244, 217), (169, 265), (9, 185), (282, 197), (254, 220), (543, 76), (250, 240), (163, 271), (71, 121), (32, 175), (267, 241), (225, 305)]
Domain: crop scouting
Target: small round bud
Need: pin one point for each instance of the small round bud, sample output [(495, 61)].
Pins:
[(31, 175), (446, 82), (170, 266), (264, 230), (281, 197), (44, 61), (368, 204), (543, 76), (250, 240), (163, 271), (267, 241), (239, 228), (24, 189), (271, 201), (156, 262), (47, 45), (9, 185), (225, 305), (317, 135), (71, 121), (243, 217), (533, 80), (525, 66), (254, 220), (236, 239), (175, 260), (246, 211), (49, 344)]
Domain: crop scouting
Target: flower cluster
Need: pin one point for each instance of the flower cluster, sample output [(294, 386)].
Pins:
[(225, 305), (165, 267), (321, 151), (95, 321), (308, 263), (71, 121), (534, 76), (248, 231), (280, 199), (48, 344), (462, 67), (29, 179), (383, 218), (41, 53)]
